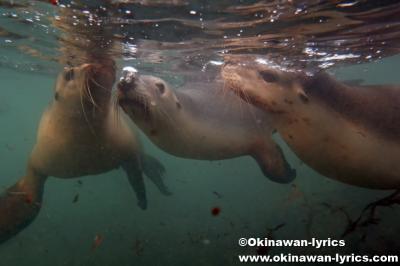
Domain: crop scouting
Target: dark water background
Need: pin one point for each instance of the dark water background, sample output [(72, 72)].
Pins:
[(180, 230)]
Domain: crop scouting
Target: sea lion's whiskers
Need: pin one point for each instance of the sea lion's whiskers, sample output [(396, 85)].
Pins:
[(76, 151), (146, 104), (86, 90), (245, 95), (98, 84), (165, 114), (192, 124), (244, 102), (225, 92), (143, 99), (247, 105), (90, 97), (252, 113), (174, 123), (90, 93), (115, 105), (84, 112), (247, 100)]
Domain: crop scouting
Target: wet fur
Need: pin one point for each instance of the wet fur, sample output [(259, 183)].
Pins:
[(375, 107), (200, 121), (336, 129), (77, 136)]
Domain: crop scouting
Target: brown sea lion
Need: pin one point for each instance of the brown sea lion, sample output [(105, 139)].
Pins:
[(349, 133), (79, 134), (346, 132), (199, 122)]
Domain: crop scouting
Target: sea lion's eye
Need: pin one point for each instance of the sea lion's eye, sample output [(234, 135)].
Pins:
[(160, 87), (268, 76), (56, 96), (69, 75)]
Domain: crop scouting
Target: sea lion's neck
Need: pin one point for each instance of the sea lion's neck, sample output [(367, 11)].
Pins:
[(373, 107), (199, 100), (325, 88)]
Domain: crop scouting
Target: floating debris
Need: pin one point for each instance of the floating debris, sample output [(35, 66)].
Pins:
[(206, 241), (264, 250), (294, 195), (98, 240), (76, 198), (370, 210), (217, 194), (215, 211), (138, 247)]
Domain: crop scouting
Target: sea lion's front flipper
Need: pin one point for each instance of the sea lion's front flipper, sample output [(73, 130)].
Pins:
[(272, 162), (155, 171), (135, 177), (20, 204)]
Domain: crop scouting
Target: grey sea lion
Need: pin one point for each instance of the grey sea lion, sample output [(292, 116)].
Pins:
[(349, 133), (79, 134), (200, 122)]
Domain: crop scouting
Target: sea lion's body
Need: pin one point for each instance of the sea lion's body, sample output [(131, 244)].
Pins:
[(199, 121), (198, 129), (79, 135), (349, 133), (94, 152)]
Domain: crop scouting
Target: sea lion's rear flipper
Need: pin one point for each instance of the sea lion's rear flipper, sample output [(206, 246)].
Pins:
[(272, 162), (155, 171), (135, 177), (20, 204)]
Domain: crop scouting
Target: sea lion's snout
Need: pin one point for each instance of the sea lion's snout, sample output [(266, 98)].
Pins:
[(129, 74), (128, 78)]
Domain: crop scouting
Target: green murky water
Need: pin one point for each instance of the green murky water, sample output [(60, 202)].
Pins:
[(180, 229)]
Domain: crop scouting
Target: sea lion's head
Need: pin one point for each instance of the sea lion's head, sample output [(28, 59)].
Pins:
[(85, 86), (267, 87), (148, 100)]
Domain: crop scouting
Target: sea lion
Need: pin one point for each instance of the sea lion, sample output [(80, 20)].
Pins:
[(79, 134), (199, 122), (349, 133)]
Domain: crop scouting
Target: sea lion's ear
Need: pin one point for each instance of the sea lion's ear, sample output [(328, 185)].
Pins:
[(161, 87), (302, 95)]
